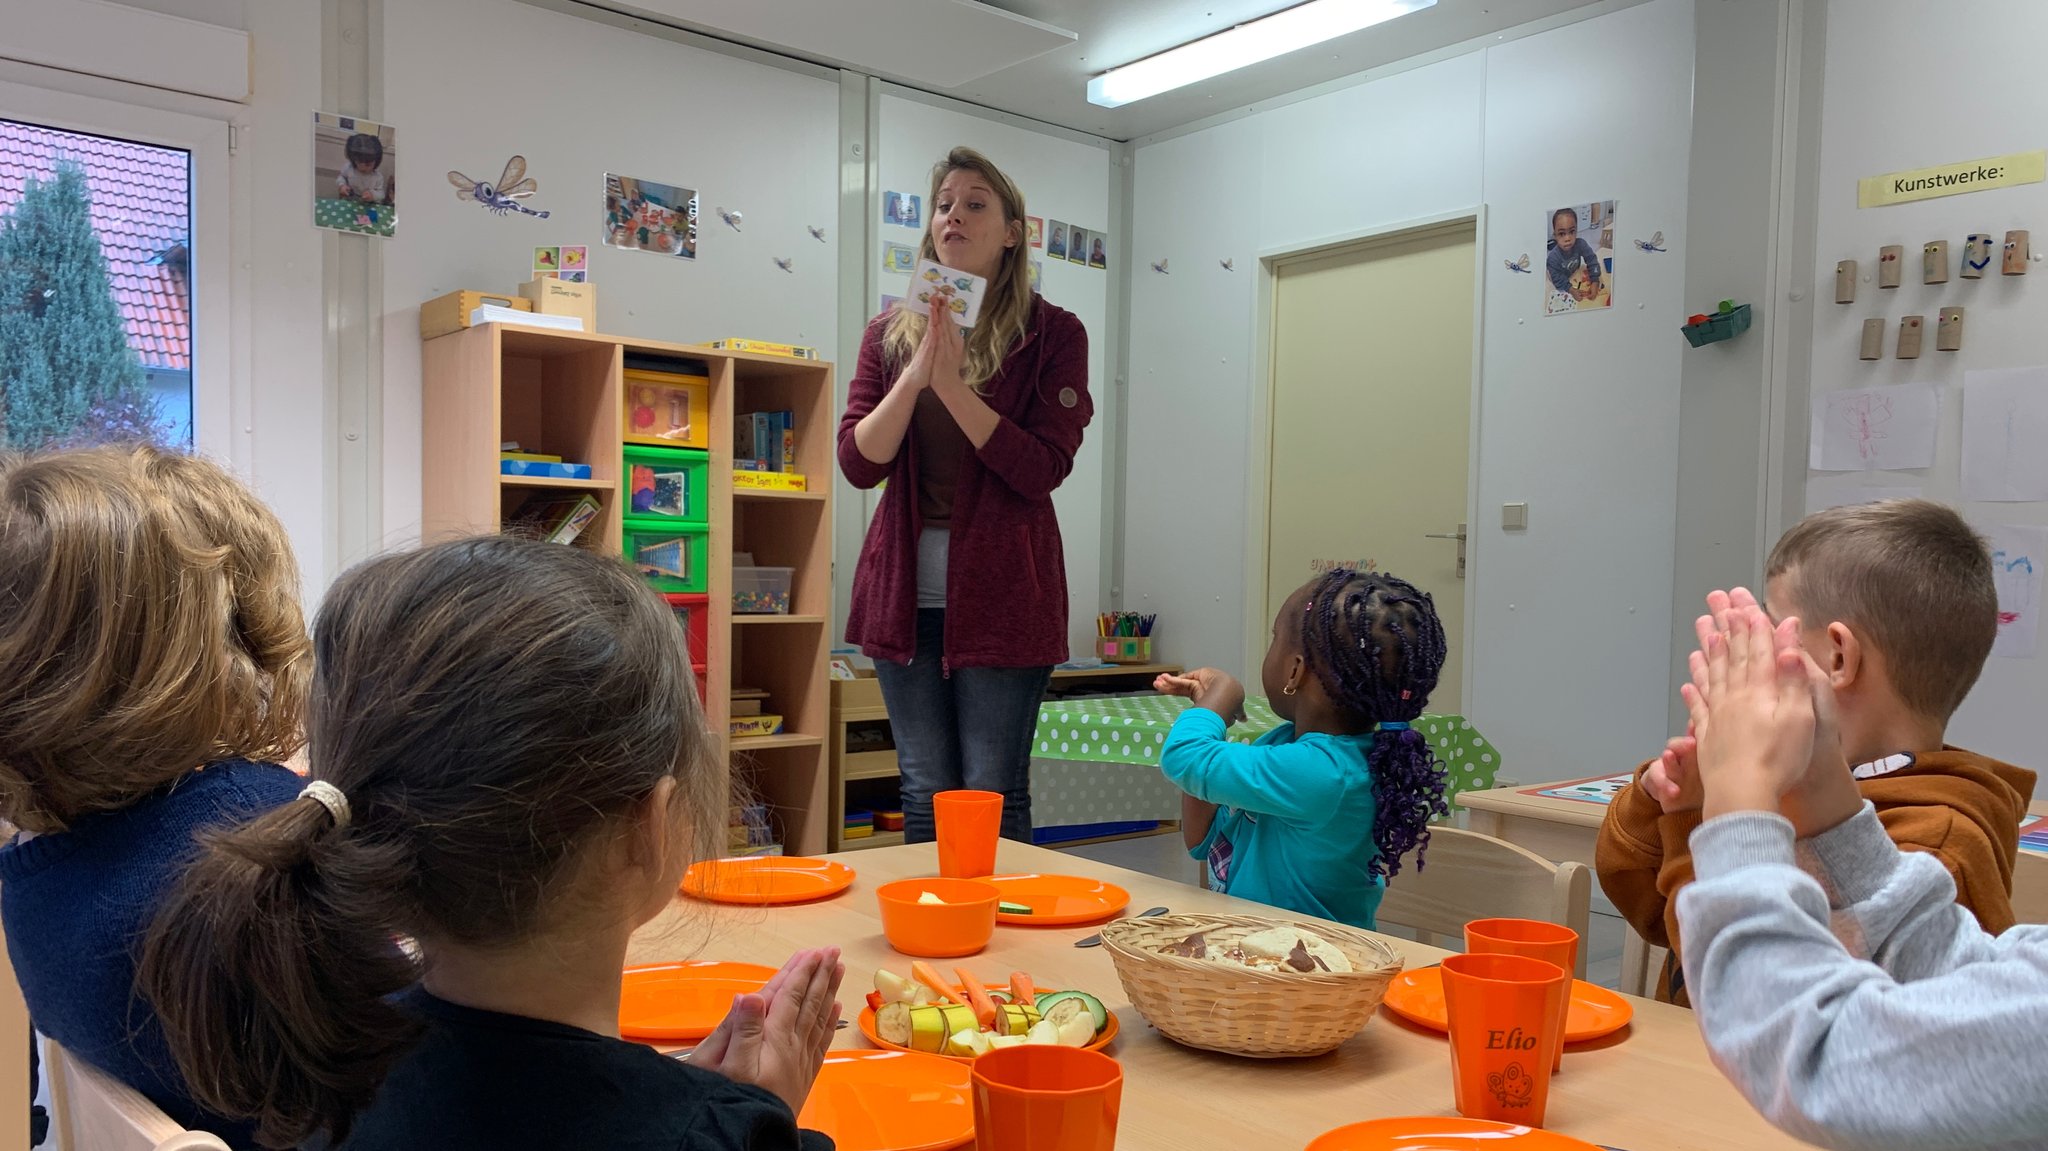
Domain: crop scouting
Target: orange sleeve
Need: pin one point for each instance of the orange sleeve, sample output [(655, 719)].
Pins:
[(1972, 853), (1642, 858)]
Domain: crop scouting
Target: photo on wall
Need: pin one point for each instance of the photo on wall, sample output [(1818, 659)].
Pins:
[(1578, 265), (902, 209), (1034, 231), (1098, 250), (355, 175), (1077, 244), (1056, 241), (644, 216)]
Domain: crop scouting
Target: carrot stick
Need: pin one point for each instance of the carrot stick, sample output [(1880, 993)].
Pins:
[(923, 973), (1021, 989), (977, 998)]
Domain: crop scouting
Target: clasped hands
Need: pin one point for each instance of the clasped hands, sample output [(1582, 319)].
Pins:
[(1763, 733), (1216, 690)]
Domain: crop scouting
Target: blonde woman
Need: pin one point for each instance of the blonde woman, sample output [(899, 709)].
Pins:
[(961, 592)]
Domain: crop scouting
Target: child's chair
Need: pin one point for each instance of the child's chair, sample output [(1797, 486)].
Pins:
[(1472, 876), (94, 1113), (1641, 963)]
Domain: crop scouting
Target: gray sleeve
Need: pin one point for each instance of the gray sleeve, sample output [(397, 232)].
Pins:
[(1834, 1048)]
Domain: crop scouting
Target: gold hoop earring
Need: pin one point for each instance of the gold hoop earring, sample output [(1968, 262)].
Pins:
[(1287, 690)]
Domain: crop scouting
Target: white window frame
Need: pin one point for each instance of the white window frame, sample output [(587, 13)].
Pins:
[(202, 128)]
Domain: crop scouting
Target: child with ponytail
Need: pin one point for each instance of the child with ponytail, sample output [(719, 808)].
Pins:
[(1317, 815), (153, 663), (510, 769)]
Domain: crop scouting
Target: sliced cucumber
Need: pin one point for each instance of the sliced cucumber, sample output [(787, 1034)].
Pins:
[(1060, 1006), (1012, 909)]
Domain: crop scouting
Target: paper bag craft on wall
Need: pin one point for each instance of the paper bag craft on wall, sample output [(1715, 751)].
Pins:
[(1889, 259), (1873, 340), (1948, 333), (1976, 255), (1909, 337), (2017, 253), (1845, 282), (1934, 262)]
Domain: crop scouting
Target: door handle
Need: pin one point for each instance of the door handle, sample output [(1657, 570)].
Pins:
[(1458, 535)]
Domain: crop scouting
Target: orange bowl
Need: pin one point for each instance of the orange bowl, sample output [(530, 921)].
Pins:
[(961, 925)]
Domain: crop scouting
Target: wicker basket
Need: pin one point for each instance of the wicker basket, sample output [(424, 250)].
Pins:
[(1242, 1010)]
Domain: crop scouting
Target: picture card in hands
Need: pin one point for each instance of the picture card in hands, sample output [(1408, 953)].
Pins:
[(930, 276)]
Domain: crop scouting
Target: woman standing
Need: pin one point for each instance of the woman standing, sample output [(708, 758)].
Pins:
[(961, 592)]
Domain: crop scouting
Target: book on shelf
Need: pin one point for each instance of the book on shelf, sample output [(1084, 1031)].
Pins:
[(556, 519), (764, 442)]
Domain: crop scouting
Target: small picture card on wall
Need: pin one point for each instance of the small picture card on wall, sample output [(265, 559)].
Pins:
[(898, 257), (1055, 240), (1034, 231), (962, 291), (1578, 262), (902, 209), (1098, 250), (1077, 245)]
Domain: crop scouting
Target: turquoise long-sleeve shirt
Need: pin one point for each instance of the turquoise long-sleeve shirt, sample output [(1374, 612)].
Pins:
[(1294, 824)]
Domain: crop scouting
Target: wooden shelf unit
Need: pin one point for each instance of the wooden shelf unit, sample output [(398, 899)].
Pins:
[(562, 393)]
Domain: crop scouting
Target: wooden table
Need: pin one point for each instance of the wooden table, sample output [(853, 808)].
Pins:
[(1566, 830), (1649, 1089)]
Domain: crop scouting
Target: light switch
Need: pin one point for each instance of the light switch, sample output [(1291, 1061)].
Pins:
[(1514, 517)]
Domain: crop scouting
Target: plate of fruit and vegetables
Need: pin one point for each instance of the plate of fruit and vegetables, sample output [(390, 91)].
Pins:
[(969, 1018)]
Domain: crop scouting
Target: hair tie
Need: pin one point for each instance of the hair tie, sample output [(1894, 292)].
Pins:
[(1393, 725), (330, 797)]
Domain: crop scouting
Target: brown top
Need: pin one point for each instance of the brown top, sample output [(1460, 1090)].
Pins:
[(1963, 808), (940, 447)]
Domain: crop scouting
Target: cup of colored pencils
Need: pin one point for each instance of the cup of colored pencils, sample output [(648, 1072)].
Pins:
[(1125, 636)]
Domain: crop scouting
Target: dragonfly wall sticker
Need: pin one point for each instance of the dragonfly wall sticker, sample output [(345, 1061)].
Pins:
[(503, 196), (1521, 265)]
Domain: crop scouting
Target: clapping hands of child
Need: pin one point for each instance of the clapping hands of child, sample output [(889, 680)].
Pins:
[(1819, 796), (776, 1038), (1216, 690)]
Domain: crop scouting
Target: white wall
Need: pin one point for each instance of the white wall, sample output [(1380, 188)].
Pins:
[(469, 83), (1062, 179), (1871, 124), (1578, 415)]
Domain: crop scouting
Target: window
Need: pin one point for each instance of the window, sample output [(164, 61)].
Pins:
[(96, 332)]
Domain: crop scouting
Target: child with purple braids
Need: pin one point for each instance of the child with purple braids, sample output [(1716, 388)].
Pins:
[(1317, 815)]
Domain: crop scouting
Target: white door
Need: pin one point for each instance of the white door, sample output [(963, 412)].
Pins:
[(1371, 420)]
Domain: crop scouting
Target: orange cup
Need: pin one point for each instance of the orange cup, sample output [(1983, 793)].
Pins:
[(1553, 943), (967, 825), (1033, 1098), (960, 925), (1503, 1013)]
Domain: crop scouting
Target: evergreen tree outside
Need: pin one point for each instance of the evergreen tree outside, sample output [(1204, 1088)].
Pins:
[(67, 374)]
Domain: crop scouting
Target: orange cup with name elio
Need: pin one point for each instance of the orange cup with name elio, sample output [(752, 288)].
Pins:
[(1553, 943), (967, 825), (1503, 1031), (1035, 1098)]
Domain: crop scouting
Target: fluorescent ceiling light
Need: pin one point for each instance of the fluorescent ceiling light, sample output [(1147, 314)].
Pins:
[(1262, 39)]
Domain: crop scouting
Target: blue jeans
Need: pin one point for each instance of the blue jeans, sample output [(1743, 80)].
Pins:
[(972, 729)]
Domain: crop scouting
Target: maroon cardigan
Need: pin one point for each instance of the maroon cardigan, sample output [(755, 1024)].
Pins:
[(1006, 579)]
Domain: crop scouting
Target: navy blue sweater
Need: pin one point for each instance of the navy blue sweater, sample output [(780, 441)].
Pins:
[(78, 903)]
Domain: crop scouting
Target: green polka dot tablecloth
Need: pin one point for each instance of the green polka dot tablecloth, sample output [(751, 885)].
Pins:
[(355, 216), (1096, 760)]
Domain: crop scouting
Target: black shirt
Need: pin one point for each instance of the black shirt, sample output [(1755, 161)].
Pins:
[(493, 1082)]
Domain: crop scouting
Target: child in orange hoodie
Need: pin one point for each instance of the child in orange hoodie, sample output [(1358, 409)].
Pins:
[(1899, 610)]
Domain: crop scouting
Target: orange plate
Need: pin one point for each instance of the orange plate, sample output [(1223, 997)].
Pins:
[(683, 1001), (766, 879), (890, 1101), (1436, 1133), (1059, 900), (866, 1022), (1418, 997)]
